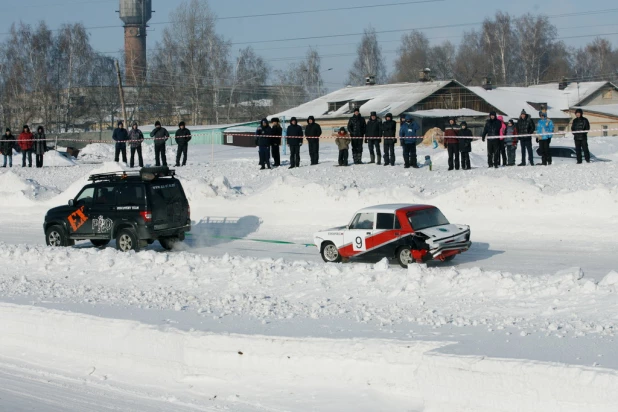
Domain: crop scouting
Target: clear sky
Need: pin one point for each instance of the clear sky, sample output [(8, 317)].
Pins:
[(337, 51)]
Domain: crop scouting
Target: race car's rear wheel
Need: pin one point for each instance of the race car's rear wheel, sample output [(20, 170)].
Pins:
[(330, 253), (404, 257)]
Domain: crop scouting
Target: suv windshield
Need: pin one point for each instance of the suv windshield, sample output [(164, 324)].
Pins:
[(423, 219)]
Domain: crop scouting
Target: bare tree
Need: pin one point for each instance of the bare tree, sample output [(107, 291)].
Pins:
[(412, 57), (369, 60), (442, 60), (250, 71), (471, 63), (536, 37), (499, 40)]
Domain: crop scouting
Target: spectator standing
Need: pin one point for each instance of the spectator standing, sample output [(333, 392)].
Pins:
[(120, 136), (452, 143), (313, 131), (25, 141), (136, 137), (275, 142), (160, 135), (580, 127), (263, 140), (295, 141), (510, 141), (183, 137), (7, 144), (389, 131), (374, 136), (465, 145), (357, 127), (492, 130), (526, 126), (40, 146), (545, 130), (408, 134), (343, 144), (502, 146)]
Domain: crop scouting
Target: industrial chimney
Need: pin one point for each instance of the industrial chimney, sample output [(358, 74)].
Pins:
[(135, 14)]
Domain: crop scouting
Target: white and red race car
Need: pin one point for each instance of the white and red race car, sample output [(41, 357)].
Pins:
[(408, 233)]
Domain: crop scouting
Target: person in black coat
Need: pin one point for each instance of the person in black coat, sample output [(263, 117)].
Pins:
[(7, 144), (357, 127), (374, 136), (136, 137), (295, 141), (40, 145), (183, 137), (120, 136), (389, 131), (160, 135), (492, 129), (525, 125), (313, 131), (275, 143), (263, 140), (581, 125), (465, 145)]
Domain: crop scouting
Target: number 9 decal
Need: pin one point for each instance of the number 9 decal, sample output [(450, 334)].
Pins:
[(359, 244)]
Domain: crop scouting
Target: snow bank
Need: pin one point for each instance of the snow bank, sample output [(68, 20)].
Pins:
[(561, 304), (128, 352), (55, 159), (97, 152)]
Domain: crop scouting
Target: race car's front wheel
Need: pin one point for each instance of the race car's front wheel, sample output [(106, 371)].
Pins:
[(404, 257), (330, 253)]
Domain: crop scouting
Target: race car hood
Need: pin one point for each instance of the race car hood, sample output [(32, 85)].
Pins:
[(334, 229), (441, 235)]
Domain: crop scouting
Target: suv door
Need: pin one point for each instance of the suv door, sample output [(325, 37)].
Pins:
[(78, 217), (102, 213)]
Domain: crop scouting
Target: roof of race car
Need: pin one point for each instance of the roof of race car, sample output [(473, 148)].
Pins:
[(392, 208)]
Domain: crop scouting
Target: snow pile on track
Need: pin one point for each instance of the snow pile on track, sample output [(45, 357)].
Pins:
[(54, 159), (243, 368), (97, 152), (564, 304)]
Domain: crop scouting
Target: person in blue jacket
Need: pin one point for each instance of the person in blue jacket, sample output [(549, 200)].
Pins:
[(408, 133), (545, 130), (120, 136)]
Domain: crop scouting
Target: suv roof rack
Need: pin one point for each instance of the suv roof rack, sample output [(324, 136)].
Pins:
[(145, 174)]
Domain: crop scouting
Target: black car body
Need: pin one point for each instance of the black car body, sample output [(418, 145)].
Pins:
[(134, 208)]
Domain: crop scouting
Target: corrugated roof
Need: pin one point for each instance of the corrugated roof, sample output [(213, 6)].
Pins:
[(606, 109), (385, 98), (448, 113)]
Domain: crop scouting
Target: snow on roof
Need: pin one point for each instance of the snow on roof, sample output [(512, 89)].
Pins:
[(200, 128), (449, 113), (511, 100), (606, 109), (391, 208), (384, 98), (240, 129)]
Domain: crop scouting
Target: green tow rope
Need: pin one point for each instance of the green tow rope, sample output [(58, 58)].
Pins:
[(277, 242)]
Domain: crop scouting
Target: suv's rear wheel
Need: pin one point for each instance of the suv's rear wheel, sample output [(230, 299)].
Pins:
[(56, 237), (168, 242), (126, 240), (404, 257), (99, 242)]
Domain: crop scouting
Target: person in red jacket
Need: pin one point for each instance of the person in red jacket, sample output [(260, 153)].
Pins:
[(26, 144), (452, 144)]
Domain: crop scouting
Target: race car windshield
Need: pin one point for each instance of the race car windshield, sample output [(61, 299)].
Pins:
[(426, 218)]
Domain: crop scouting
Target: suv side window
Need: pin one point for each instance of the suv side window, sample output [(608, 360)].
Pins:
[(86, 197), (130, 195), (363, 221), (385, 221), (104, 195)]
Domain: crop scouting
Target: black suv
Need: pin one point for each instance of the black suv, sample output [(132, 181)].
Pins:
[(135, 208)]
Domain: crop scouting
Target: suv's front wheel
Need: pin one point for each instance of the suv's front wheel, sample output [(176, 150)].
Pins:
[(56, 237), (126, 240)]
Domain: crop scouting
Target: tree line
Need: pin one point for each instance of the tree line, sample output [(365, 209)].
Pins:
[(511, 50), (56, 78)]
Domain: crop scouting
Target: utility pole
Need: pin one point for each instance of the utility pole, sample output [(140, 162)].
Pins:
[(121, 91)]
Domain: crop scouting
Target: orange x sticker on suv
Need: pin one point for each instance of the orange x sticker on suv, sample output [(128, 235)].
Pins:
[(77, 219)]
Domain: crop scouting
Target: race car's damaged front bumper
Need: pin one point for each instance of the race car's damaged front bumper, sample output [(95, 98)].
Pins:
[(450, 249)]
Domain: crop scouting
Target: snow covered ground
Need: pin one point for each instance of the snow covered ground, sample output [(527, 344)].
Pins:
[(526, 320)]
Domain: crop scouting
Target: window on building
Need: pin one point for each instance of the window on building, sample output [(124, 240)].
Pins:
[(354, 104), (334, 106), (230, 139), (608, 94), (605, 130)]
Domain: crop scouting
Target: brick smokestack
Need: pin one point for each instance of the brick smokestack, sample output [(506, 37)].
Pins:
[(135, 14)]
